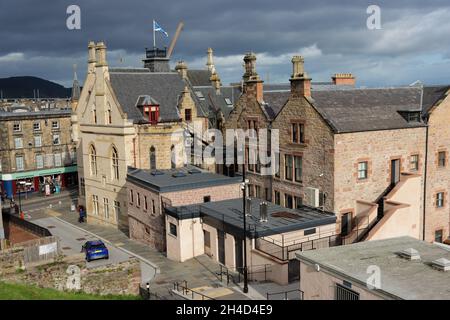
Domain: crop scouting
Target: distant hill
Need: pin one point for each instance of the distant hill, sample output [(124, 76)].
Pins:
[(22, 87)]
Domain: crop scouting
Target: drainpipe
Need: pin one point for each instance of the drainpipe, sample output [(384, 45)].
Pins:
[(134, 152), (425, 182)]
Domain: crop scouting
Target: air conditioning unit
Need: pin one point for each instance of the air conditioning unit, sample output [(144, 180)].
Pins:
[(312, 197)]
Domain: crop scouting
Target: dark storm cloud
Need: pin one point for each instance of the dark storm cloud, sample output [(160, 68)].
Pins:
[(413, 43)]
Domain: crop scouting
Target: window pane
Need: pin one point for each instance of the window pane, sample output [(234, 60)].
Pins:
[(288, 167), (298, 169)]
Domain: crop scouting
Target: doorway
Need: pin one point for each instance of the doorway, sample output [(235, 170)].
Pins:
[(221, 246), (346, 221)]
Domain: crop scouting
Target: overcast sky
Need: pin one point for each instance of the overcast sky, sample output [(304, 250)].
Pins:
[(413, 44)]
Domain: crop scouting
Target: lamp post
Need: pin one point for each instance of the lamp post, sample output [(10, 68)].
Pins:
[(244, 193), (21, 184)]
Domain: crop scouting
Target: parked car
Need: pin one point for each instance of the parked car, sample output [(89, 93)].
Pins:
[(95, 250)]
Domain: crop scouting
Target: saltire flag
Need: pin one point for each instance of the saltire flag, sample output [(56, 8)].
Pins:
[(157, 27)]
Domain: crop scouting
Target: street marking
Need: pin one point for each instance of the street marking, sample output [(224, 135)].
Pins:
[(119, 244)]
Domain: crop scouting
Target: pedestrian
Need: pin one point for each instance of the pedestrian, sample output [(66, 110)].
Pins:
[(82, 214)]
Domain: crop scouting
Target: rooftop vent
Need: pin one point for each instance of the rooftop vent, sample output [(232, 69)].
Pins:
[(441, 264), (179, 174), (410, 254), (263, 211), (157, 173), (194, 171)]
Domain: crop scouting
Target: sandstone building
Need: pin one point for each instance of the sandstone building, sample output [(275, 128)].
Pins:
[(136, 117), (377, 158), (36, 149)]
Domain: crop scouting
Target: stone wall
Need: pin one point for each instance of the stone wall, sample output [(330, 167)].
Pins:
[(117, 279), (378, 148), (438, 178)]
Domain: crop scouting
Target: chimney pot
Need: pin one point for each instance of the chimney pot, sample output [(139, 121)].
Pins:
[(100, 50), (344, 79)]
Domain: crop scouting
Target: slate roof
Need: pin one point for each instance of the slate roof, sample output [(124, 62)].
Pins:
[(349, 109), (431, 95), (165, 181), (400, 278), (367, 109), (199, 77), (229, 212), (214, 102), (162, 87)]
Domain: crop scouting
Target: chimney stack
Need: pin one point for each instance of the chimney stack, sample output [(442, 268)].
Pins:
[(253, 85), (181, 68), (100, 50), (300, 82), (346, 79), (210, 61), (92, 59), (215, 81), (263, 211)]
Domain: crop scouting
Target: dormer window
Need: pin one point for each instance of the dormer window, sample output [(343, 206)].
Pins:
[(411, 116), (149, 108), (151, 113)]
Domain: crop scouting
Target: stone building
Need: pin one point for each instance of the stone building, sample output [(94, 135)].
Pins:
[(150, 192), (37, 153), (137, 117), (359, 153), (401, 268)]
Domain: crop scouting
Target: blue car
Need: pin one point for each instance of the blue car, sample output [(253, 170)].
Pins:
[(95, 250)]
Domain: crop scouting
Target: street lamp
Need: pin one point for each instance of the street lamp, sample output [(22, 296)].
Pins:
[(244, 197), (21, 184)]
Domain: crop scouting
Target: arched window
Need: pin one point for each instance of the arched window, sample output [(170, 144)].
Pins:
[(93, 160), (115, 163), (173, 159), (152, 158)]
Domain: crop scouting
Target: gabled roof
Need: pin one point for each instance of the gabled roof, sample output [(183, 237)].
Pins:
[(163, 87), (368, 109), (432, 95)]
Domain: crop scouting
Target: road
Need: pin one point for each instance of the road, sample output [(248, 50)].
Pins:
[(72, 238)]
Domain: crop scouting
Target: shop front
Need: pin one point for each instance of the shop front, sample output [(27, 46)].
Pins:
[(46, 182)]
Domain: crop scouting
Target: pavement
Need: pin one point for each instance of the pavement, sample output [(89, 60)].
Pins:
[(199, 274)]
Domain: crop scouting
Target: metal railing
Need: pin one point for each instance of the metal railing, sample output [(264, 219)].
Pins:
[(254, 273), (185, 291), (285, 294), (285, 253)]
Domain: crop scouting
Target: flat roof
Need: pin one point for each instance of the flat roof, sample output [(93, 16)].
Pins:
[(400, 278), (186, 178), (279, 219)]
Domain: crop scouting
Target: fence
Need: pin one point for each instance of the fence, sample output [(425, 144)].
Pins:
[(185, 291), (286, 295), (42, 249), (26, 225), (254, 273), (286, 253)]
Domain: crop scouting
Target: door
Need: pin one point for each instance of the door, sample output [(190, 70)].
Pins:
[(207, 237), (346, 220), (293, 270), (221, 244), (395, 171), (239, 255)]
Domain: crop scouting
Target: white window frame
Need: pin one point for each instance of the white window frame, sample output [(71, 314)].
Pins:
[(39, 164), (22, 166), (18, 143), (37, 138)]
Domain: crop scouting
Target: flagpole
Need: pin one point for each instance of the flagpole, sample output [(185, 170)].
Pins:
[(154, 40)]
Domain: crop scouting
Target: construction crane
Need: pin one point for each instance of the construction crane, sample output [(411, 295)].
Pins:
[(175, 38)]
